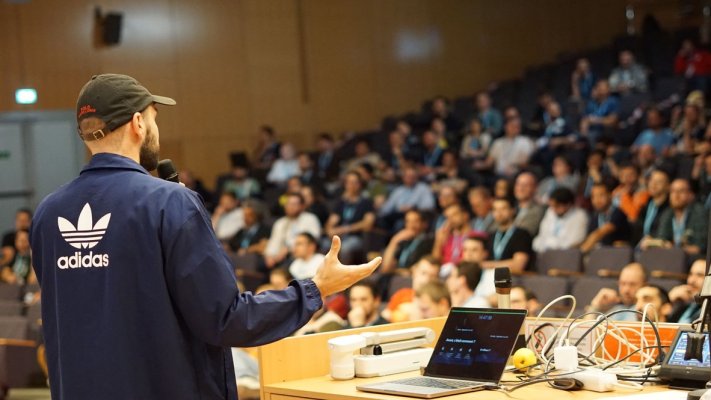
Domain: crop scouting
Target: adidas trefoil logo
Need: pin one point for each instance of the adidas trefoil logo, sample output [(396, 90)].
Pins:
[(86, 234)]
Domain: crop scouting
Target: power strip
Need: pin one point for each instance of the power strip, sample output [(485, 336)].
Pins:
[(547, 333)]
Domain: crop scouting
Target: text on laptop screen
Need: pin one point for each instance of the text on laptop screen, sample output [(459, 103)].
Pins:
[(475, 343)]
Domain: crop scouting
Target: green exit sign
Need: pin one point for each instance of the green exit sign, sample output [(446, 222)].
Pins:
[(4, 154)]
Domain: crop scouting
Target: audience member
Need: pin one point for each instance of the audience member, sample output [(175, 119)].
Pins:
[(411, 195), (441, 109), (253, 237), (279, 279), (449, 238), (449, 173), (510, 247), (684, 224), (309, 175), (685, 309), (408, 245), (306, 258), (239, 182), (314, 204), (659, 300), (582, 80), (363, 155), (23, 219), (462, 282), (285, 229), (433, 300), (629, 76), (476, 143), (598, 172), (529, 212), (285, 167), (480, 201), (649, 216), (187, 178), (657, 134), (600, 113), (608, 225), (525, 299), (432, 155), (446, 196), (228, 217), (630, 197), (564, 225), (365, 305), (400, 307), (490, 117), (267, 149), (351, 217), (19, 270), (694, 64), (632, 277), (327, 165), (510, 153), (563, 176)]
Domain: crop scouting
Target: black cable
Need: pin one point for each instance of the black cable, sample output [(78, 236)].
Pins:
[(631, 354)]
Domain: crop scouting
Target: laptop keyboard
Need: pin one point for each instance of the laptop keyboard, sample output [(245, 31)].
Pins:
[(436, 383)]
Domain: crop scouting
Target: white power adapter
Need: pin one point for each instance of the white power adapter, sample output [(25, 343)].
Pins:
[(596, 380), (566, 358)]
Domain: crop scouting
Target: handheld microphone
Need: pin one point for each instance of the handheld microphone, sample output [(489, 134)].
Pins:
[(166, 171), (502, 281)]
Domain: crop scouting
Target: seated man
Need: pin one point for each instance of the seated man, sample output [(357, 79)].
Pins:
[(462, 282), (509, 153), (525, 299), (409, 245), (632, 277), (480, 201), (285, 229), (306, 259), (684, 224), (365, 305), (510, 246), (608, 225), (600, 113), (411, 195), (684, 307), (23, 219), (529, 212), (228, 217), (400, 307), (629, 76), (648, 222), (564, 225), (449, 238), (629, 196), (658, 298), (433, 300), (352, 216), (253, 237)]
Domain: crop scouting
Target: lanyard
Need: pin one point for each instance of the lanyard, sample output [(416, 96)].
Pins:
[(247, 238), (405, 254), (457, 242), (500, 242), (431, 159), (349, 212), (480, 224), (603, 218), (679, 228), (649, 217)]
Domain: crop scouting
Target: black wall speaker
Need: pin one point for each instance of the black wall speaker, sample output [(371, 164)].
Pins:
[(112, 28)]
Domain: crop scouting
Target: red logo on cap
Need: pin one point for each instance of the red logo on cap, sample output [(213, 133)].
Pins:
[(86, 110)]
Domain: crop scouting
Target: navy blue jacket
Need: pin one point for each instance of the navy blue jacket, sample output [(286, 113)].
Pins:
[(139, 301)]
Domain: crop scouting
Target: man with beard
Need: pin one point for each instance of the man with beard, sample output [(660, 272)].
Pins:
[(144, 301)]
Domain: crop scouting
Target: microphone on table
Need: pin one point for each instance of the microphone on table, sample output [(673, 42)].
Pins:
[(166, 171), (502, 281)]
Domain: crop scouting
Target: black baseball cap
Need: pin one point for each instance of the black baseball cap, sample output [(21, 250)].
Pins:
[(114, 98)]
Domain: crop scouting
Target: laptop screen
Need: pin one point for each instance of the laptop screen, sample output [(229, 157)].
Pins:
[(475, 343)]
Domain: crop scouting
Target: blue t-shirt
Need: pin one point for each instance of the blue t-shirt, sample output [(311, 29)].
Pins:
[(659, 140), (139, 299)]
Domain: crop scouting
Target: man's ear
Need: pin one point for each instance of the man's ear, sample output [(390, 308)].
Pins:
[(138, 126)]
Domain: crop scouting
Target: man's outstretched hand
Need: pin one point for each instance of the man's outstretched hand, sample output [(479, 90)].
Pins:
[(333, 277)]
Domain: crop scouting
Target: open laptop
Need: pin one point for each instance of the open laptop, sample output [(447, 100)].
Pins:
[(470, 355)]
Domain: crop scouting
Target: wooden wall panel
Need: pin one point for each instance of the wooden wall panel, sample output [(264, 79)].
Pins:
[(303, 66)]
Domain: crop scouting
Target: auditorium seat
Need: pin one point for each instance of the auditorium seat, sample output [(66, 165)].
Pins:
[(586, 287), (247, 270), (9, 292), (608, 261), (546, 288), (398, 282), (11, 308), (665, 283), (559, 262), (13, 327), (664, 263)]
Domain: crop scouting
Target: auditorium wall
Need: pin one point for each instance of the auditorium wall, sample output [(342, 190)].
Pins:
[(303, 66)]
